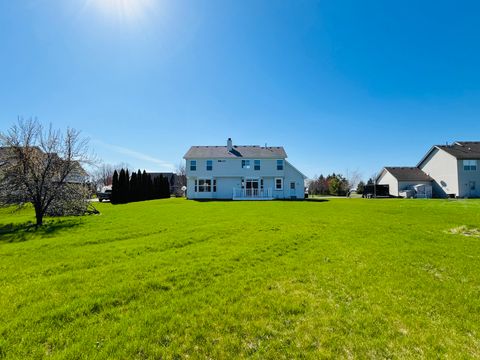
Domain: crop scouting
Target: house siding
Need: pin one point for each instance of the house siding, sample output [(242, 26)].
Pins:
[(443, 168), (465, 178), (387, 178)]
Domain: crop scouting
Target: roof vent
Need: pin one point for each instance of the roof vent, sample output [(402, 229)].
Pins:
[(229, 144)]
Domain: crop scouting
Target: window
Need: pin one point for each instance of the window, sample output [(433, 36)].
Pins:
[(279, 164), (196, 185), (193, 165), (470, 165), (204, 185), (261, 183), (278, 184), (292, 185), (256, 165), (214, 185), (209, 165), (472, 185), (245, 164)]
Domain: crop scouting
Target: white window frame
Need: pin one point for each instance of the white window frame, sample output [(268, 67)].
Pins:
[(193, 163), (203, 186), (281, 184), (245, 164), (470, 165), (280, 164)]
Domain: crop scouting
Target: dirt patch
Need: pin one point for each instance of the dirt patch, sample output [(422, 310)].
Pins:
[(465, 231)]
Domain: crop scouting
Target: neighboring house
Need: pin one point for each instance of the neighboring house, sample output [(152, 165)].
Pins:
[(452, 170), (241, 173), (402, 179), (455, 169)]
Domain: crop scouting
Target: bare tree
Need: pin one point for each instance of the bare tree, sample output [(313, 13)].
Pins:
[(43, 166), (353, 178), (180, 179), (103, 175)]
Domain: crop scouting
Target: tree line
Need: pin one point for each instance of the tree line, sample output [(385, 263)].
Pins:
[(138, 187), (335, 184)]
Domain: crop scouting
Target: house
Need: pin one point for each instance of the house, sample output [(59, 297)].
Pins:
[(403, 179), (241, 173), (454, 168), (450, 170)]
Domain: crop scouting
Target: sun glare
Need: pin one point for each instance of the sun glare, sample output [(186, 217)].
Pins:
[(123, 10)]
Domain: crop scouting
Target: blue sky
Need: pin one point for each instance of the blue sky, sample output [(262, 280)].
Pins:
[(340, 84)]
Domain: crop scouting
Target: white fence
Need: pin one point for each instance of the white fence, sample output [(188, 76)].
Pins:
[(252, 193)]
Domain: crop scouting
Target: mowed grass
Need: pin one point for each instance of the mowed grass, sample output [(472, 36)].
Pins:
[(181, 279)]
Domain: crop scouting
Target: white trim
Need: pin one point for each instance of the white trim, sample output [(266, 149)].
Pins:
[(275, 184)]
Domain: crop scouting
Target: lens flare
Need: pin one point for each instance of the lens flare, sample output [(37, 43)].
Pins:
[(123, 10)]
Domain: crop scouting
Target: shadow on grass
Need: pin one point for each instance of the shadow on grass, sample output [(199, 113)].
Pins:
[(10, 233)]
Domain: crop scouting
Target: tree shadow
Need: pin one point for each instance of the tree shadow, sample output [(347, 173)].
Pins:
[(18, 232)]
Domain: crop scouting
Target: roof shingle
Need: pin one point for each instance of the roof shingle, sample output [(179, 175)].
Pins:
[(238, 151), (408, 174)]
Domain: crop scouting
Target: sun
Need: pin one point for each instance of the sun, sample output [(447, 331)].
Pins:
[(123, 10)]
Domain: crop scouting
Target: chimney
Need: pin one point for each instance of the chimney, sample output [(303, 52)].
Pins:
[(229, 144)]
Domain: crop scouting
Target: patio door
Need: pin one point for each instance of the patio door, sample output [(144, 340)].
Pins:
[(251, 187)]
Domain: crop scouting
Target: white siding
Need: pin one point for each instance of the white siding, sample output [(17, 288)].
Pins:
[(388, 179), (229, 173), (442, 167)]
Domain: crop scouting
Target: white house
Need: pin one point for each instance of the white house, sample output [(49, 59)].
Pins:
[(241, 173), (451, 170)]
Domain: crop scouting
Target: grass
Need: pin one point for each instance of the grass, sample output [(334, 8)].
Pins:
[(181, 279)]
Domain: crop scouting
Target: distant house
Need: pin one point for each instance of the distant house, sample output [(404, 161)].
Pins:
[(451, 171), (241, 172), (402, 179), (454, 168)]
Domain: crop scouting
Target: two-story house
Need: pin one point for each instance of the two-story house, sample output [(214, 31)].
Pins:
[(450, 170), (241, 173), (454, 169)]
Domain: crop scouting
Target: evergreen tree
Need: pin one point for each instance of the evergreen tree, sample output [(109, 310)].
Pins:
[(165, 188), (115, 188), (122, 185), (133, 187), (360, 187)]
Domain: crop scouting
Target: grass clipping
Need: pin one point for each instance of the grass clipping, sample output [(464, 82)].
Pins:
[(465, 231)]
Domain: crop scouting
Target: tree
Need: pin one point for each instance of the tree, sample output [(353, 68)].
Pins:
[(103, 176), (115, 197), (43, 167), (180, 180), (360, 187)]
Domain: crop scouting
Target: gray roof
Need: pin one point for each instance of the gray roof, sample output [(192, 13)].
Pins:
[(463, 149), (238, 151), (408, 174)]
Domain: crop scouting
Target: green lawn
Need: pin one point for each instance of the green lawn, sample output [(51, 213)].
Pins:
[(269, 280)]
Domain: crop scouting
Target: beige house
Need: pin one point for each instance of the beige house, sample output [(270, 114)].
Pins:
[(401, 180), (454, 168), (451, 171)]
